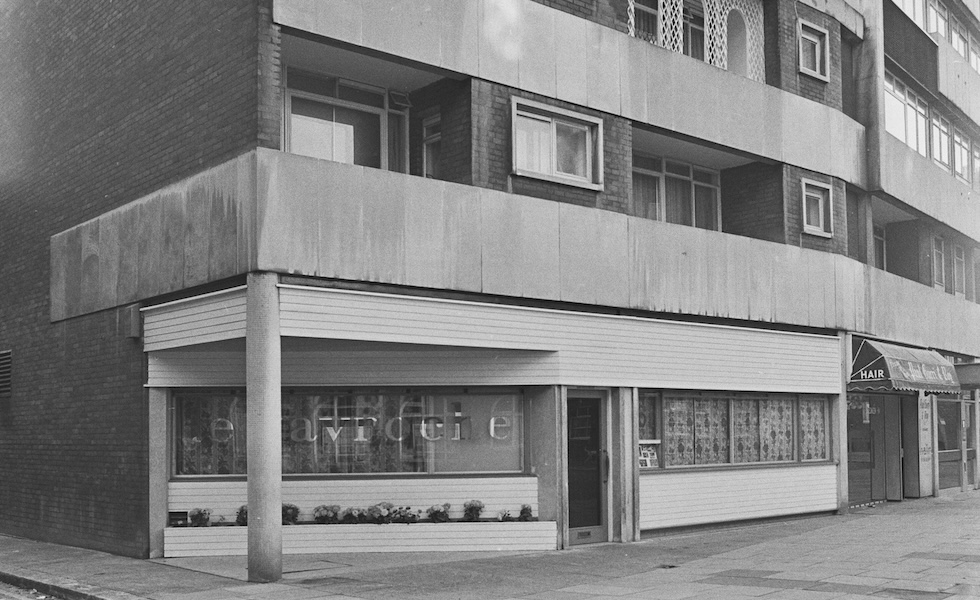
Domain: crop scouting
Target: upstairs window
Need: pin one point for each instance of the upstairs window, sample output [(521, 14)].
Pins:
[(694, 30), (937, 18), (959, 270), (961, 156), (940, 141), (432, 147), (975, 54), (959, 37), (906, 115), (939, 263), (915, 10), (556, 145), (647, 19), (676, 192), (976, 167), (344, 121), (813, 50), (817, 208), (881, 248)]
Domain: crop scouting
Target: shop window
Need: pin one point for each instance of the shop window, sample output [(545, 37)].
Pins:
[(687, 429), (647, 18), (556, 145), (817, 208), (357, 431), (334, 119), (939, 263), (432, 147), (906, 115), (937, 18), (814, 50), (959, 270), (693, 28)]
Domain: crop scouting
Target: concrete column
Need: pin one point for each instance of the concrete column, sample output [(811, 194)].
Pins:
[(263, 380), (935, 444), (838, 425), (158, 468)]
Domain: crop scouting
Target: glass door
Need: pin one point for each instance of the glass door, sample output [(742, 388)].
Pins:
[(588, 470)]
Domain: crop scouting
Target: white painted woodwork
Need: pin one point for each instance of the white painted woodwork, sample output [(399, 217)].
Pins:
[(209, 318), (497, 493), (716, 496), (394, 537)]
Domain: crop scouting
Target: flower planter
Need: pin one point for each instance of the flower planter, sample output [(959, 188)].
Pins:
[(394, 537)]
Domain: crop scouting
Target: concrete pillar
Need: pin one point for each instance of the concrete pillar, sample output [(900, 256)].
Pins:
[(158, 472), (263, 380), (838, 425)]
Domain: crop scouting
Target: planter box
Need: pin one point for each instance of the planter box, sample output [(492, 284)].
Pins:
[(395, 537)]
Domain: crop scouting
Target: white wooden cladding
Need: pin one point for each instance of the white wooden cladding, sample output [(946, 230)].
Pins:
[(497, 493), (209, 318), (592, 349), (716, 496), (324, 539)]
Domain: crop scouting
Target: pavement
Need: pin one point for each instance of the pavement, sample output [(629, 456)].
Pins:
[(926, 549)]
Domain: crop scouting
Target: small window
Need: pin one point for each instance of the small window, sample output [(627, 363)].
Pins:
[(647, 15), (432, 147), (693, 17), (881, 248), (937, 18), (813, 50), (941, 142), (959, 270), (976, 167), (556, 145), (939, 263), (961, 156), (817, 208), (975, 54), (960, 37)]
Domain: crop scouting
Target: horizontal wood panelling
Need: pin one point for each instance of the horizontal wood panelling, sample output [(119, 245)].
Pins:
[(395, 537), (497, 493), (592, 349), (212, 318), (691, 498)]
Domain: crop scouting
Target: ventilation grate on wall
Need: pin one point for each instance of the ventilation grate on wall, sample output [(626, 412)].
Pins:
[(6, 374)]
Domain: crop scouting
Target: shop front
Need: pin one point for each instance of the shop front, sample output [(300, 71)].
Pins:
[(891, 406)]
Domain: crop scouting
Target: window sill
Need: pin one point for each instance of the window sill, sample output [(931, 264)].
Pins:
[(579, 183), (818, 232), (736, 467), (815, 75)]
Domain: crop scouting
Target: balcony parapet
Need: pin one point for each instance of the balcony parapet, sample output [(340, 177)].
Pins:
[(919, 182), (272, 211), (526, 45), (957, 80)]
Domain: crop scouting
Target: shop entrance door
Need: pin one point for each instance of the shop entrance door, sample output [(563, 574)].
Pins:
[(588, 470), (874, 448)]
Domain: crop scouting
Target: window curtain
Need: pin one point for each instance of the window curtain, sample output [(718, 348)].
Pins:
[(813, 429), (776, 430)]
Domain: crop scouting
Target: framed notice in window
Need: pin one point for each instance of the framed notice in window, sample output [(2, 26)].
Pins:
[(649, 454)]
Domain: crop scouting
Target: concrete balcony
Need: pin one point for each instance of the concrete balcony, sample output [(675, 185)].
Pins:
[(279, 212), (957, 80), (922, 184), (526, 45)]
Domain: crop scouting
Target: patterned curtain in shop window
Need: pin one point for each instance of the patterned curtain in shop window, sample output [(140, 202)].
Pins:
[(813, 429), (776, 429)]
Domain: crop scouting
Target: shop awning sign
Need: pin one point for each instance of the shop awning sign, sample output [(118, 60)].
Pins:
[(879, 366)]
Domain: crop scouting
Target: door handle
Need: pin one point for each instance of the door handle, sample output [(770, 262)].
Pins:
[(605, 465)]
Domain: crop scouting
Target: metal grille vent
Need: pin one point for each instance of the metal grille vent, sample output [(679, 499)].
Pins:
[(6, 373)]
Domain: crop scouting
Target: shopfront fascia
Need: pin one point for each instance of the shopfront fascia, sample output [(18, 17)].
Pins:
[(896, 438), (419, 401)]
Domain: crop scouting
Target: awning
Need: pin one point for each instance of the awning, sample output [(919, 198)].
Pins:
[(969, 375), (879, 366)]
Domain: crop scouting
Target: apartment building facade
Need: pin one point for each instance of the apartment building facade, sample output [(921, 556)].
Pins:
[(633, 264)]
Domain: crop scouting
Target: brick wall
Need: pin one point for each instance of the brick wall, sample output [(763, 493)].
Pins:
[(610, 13), (450, 99), (781, 24), (752, 201), (793, 195), (491, 132), (101, 103)]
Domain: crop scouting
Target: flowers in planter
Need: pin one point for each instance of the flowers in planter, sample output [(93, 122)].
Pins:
[(438, 513), (525, 513), (327, 514), (290, 514), (472, 510), (405, 514), (242, 516), (380, 513), (504, 516), (199, 517), (352, 515)]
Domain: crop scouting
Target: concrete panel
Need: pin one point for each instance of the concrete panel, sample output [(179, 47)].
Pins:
[(501, 31), (602, 64), (463, 232), (645, 291), (59, 270), (288, 221), (89, 275), (539, 267), (340, 218), (150, 248), (197, 242), (536, 66), (738, 293), (396, 25), (501, 218), (762, 279), (633, 80), (571, 69), (661, 97), (425, 243), (174, 217), (612, 279), (460, 36), (805, 138), (127, 289), (108, 256), (578, 248), (383, 235), (346, 20), (226, 230)]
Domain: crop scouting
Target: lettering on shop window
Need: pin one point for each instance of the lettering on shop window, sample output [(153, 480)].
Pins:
[(430, 428)]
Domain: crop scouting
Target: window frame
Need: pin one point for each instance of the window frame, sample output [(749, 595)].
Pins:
[(384, 113), (936, 11), (692, 179), (427, 140), (689, 10), (961, 156), (942, 140), (959, 270), (820, 37), (959, 37), (939, 262), (654, 13), (522, 107), (826, 226), (880, 234)]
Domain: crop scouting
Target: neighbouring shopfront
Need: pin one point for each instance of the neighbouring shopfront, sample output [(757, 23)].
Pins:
[(895, 406)]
